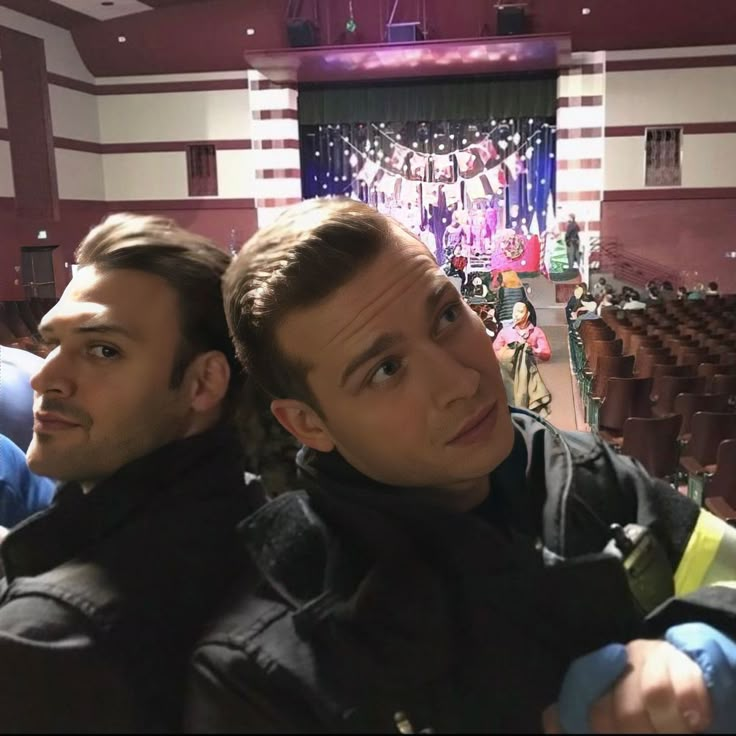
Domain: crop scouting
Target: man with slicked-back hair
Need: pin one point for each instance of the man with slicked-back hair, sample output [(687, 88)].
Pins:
[(107, 589)]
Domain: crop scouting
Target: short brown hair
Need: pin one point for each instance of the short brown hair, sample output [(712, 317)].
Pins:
[(311, 250), (192, 265)]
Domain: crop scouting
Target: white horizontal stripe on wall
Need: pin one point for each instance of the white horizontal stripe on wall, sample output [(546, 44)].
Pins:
[(273, 99), (581, 85), (624, 163), (79, 175), (74, 114), (145, 175), (277, 158), (580, 117), (671, 96), (274, 129), (582, 210), (278, 188), (62, 56), (577, 148), (580, 180), (174, 116), (236, 176), (7, 188), (707, 161)]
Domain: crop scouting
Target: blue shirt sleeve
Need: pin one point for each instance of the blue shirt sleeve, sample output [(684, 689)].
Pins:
[(22, 492)]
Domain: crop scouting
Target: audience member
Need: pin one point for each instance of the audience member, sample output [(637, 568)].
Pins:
[(449, 561), (511, 292), (608, 300), (653, 296), (712, 289), (22, 492), (682, 292), (517, 348), (698, 291), (574, 302), (632, 300), (108, 588), (599, 287), (16, 395), (668, 291)]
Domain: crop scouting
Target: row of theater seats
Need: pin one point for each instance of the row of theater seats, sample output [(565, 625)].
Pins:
[(660, 385), (19, 322)]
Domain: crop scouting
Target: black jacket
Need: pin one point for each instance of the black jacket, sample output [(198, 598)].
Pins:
[(375, 610), (106, 593)]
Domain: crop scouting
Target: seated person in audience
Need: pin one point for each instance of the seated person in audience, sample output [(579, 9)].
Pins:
[(607, 300), (444, 570), (108, 588), (22, 492), (16, 395), (653, 295), (668, 291), (574, 302), (632, 300), (586, 310), (698, 292), (682, 292), (599, 287), (712, 289)]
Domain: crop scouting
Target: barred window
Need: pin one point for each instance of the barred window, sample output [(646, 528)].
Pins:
[(202, 170), (663, 157)]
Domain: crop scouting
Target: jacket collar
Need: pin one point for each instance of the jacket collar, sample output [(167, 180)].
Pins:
[(75, 521)]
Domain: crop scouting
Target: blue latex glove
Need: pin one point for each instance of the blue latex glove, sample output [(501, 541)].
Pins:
[(715, 654), (587, 679)]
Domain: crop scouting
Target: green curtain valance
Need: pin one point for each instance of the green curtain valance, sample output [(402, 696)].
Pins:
[(455, 99)]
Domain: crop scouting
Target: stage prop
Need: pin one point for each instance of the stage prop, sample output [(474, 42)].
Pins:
[(481, 190)]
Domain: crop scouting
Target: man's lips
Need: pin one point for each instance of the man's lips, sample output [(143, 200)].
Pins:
[(475, 421), (46, 421)]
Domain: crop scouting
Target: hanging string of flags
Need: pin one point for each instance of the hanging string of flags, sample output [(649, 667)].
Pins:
[(405, 170)]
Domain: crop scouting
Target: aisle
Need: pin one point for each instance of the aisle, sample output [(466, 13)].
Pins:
[(556, 372)]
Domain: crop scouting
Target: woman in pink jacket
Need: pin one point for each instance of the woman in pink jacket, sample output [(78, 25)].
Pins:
[(522, 330)]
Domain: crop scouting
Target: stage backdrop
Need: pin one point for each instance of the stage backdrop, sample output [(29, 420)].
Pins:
[(494, 177)]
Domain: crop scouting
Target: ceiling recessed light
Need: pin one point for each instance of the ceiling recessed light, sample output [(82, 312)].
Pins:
[(586, 11), (107, 3), (250, 31), (122, 39)]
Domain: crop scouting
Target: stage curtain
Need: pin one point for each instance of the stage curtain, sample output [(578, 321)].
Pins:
[(456, 99)]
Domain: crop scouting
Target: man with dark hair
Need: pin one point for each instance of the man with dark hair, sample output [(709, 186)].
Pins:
[(108, 588), (572, 242), (450, 560)]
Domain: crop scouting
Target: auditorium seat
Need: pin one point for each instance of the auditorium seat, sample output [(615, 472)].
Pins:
[(625, 397), (653, 442), (667, 387), (688, 404), (608, 366), (698, 459), (719, 495)]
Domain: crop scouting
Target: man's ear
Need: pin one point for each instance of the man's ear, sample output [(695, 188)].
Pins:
[(210, 380), (303, 422)]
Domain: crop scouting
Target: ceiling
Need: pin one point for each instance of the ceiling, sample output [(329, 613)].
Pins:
[(181, 36)]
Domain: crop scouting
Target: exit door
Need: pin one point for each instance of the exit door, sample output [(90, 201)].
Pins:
[(37, 272)]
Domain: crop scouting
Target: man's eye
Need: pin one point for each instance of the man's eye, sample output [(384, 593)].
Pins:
[(388, 369), (103, 351), (450, 314)]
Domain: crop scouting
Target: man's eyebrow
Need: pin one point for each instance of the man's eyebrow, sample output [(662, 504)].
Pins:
[(378, 346), (442, 290), (104, 328)]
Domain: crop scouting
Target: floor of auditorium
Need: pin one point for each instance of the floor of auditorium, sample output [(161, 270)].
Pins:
[(566, 412)]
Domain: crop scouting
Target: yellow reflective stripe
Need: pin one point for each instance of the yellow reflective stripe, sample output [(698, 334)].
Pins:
[(700, 552)]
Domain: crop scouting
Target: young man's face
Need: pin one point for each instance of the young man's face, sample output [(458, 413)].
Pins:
[(404, 373), (102, 397)]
